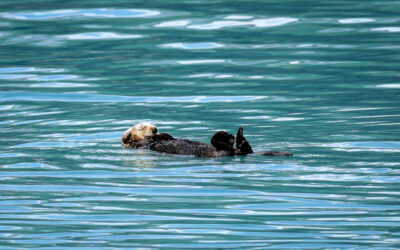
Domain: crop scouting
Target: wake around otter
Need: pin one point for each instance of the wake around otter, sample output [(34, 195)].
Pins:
[(146, 136)]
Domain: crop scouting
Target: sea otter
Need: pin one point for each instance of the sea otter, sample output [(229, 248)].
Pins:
[(145, 136)]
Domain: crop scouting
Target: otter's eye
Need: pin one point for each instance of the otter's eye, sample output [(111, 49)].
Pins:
[(128, 138)]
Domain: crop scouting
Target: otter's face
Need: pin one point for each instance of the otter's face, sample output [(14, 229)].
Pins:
[(137, 133)]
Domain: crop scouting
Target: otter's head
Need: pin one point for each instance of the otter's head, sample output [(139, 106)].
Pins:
[(137, 133)]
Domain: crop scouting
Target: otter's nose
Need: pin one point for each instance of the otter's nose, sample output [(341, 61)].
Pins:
[(155, 130)]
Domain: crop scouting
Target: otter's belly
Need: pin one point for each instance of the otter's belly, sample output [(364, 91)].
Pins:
[(182, 147)]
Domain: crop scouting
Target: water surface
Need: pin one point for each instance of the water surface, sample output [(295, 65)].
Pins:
[(318, 79)]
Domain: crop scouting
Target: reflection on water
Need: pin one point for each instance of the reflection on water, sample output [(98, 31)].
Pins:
[(319, 80)]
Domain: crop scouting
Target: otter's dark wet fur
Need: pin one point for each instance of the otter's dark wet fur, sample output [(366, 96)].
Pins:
[(221, 145)]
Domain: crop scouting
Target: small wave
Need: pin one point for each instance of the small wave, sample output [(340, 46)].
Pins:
[(205, 61), (390, 86), (272, 22), (83, 13), (177, 23), (375, 146), (60, 85), (356, 20), (41, 78), (277, 119), (151, 191), (32, 96), (258, 23), (336, 30), (193, 45), (34, 40), (54, 77), (98, 36), (387, 29), (15, 76), (238, 76), (368, 144), (53, 145), (11, 155), (30, 69), (238, 17), (34, 165)]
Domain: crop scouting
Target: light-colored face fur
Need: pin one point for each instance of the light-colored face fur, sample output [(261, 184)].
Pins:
[(137, 133)]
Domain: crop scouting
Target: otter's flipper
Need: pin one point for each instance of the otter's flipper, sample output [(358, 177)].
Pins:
[(242, 145), (223, 141)]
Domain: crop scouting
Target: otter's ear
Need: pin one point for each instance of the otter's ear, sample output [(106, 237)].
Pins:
[(223, 141)]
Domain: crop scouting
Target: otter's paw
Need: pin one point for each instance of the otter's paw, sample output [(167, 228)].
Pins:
[(223, 141), (242, 145)]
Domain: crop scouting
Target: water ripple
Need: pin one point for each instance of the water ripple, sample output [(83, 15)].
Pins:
[(374, 144), (387, 29), (34, 96), (192, 45), (98, 36), (176, 23), (238, 17), (28, 165), (162, 191), (30, 69), (356, 20), (258, 23), (82, 13), (53, 145), (389, 85)]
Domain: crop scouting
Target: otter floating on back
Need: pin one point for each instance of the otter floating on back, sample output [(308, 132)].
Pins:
[(145, 136)]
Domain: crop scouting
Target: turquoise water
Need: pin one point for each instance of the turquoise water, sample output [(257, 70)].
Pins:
[(319, 79)]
